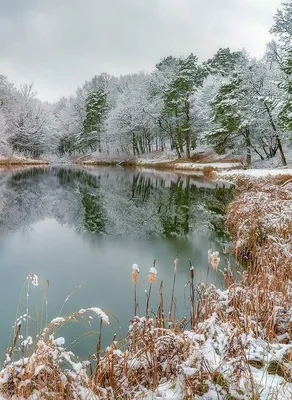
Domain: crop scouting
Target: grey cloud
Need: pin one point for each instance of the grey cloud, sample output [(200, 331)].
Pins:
[(59, 44)]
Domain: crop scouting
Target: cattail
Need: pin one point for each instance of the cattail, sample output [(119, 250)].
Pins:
[(192, 269), (135, 274), (135, 267), (152, 275), (215, 260), (192, 293), (151, 280), (175, 265)]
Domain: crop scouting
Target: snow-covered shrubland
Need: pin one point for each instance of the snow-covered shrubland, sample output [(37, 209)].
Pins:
[(236, 342)]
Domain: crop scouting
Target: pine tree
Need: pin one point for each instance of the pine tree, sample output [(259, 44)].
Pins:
[(223, 62), (95, 107), (285, 117), (230, 115), (283, 29), (189, 77)]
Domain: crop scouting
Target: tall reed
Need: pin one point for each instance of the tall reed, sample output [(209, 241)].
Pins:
[(151, 279), (135, 275), (172, 317)]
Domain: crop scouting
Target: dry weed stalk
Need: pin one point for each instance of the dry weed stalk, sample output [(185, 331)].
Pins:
[(135, 275), (151, 279), (172, 317)]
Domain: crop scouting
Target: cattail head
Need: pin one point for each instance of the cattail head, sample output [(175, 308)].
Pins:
[(135, 274), (215, 260), (135, 267), (192, 270), (152, 275), (175, 264)]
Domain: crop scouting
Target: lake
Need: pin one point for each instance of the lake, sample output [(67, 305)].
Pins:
[(81, 229)]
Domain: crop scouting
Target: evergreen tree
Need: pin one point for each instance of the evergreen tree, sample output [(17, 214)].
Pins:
[(283, 29), (230, 115), (286, 114), (188, 78), (223, 62), (95, 107)]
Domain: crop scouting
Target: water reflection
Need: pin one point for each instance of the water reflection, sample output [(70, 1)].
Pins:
[(113, 201)]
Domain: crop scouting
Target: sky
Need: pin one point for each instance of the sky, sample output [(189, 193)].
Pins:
[(58, 44)]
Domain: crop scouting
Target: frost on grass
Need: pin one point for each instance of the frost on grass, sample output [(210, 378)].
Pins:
[(97, 311), (49, 371), (33, 279), (27, 342)]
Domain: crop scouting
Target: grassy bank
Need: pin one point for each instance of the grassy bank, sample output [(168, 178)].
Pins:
[(234, 343), (19, 161)]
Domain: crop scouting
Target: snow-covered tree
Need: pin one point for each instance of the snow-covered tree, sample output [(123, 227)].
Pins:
[(28, 123), (187, 79), (95, 107), (131, 125), (282, 28), (231, 118), (223, 62)]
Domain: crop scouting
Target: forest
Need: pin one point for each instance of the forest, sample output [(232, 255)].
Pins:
[(231, 102)]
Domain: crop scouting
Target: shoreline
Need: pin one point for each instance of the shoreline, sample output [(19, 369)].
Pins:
[(221, 171), (19, 161)]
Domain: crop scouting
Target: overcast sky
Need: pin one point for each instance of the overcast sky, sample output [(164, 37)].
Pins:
[(58, 44)]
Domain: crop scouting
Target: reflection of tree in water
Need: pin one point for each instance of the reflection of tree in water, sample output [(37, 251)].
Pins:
[(141, 189), (188, 206), (182, 206), (94, 220), (217, 204), (89, 188), (60, 193), (112, 201), (175, 211), (72, 177)]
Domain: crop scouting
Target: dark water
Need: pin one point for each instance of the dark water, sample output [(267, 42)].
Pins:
[(82, 229)]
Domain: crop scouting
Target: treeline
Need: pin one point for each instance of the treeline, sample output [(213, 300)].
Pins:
[(231, 101)]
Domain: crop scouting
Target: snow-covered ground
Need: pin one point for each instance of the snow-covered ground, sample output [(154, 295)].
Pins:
[(201, 166), (263, 172)]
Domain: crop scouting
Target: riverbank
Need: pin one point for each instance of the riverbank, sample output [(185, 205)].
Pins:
[(14, 161), (235, 343), (199, 162), (202, 163)]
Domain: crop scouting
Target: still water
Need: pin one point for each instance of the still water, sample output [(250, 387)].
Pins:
[(81, 229)]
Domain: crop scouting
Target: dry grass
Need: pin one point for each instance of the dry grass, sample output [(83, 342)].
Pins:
[(210, 173), (260, 221), (19, 161)]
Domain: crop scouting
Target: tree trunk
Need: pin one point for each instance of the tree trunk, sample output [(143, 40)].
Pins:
[(179, 139), (248, 147), (177, 151), (188, 131), (283, 158), (188, 152)]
